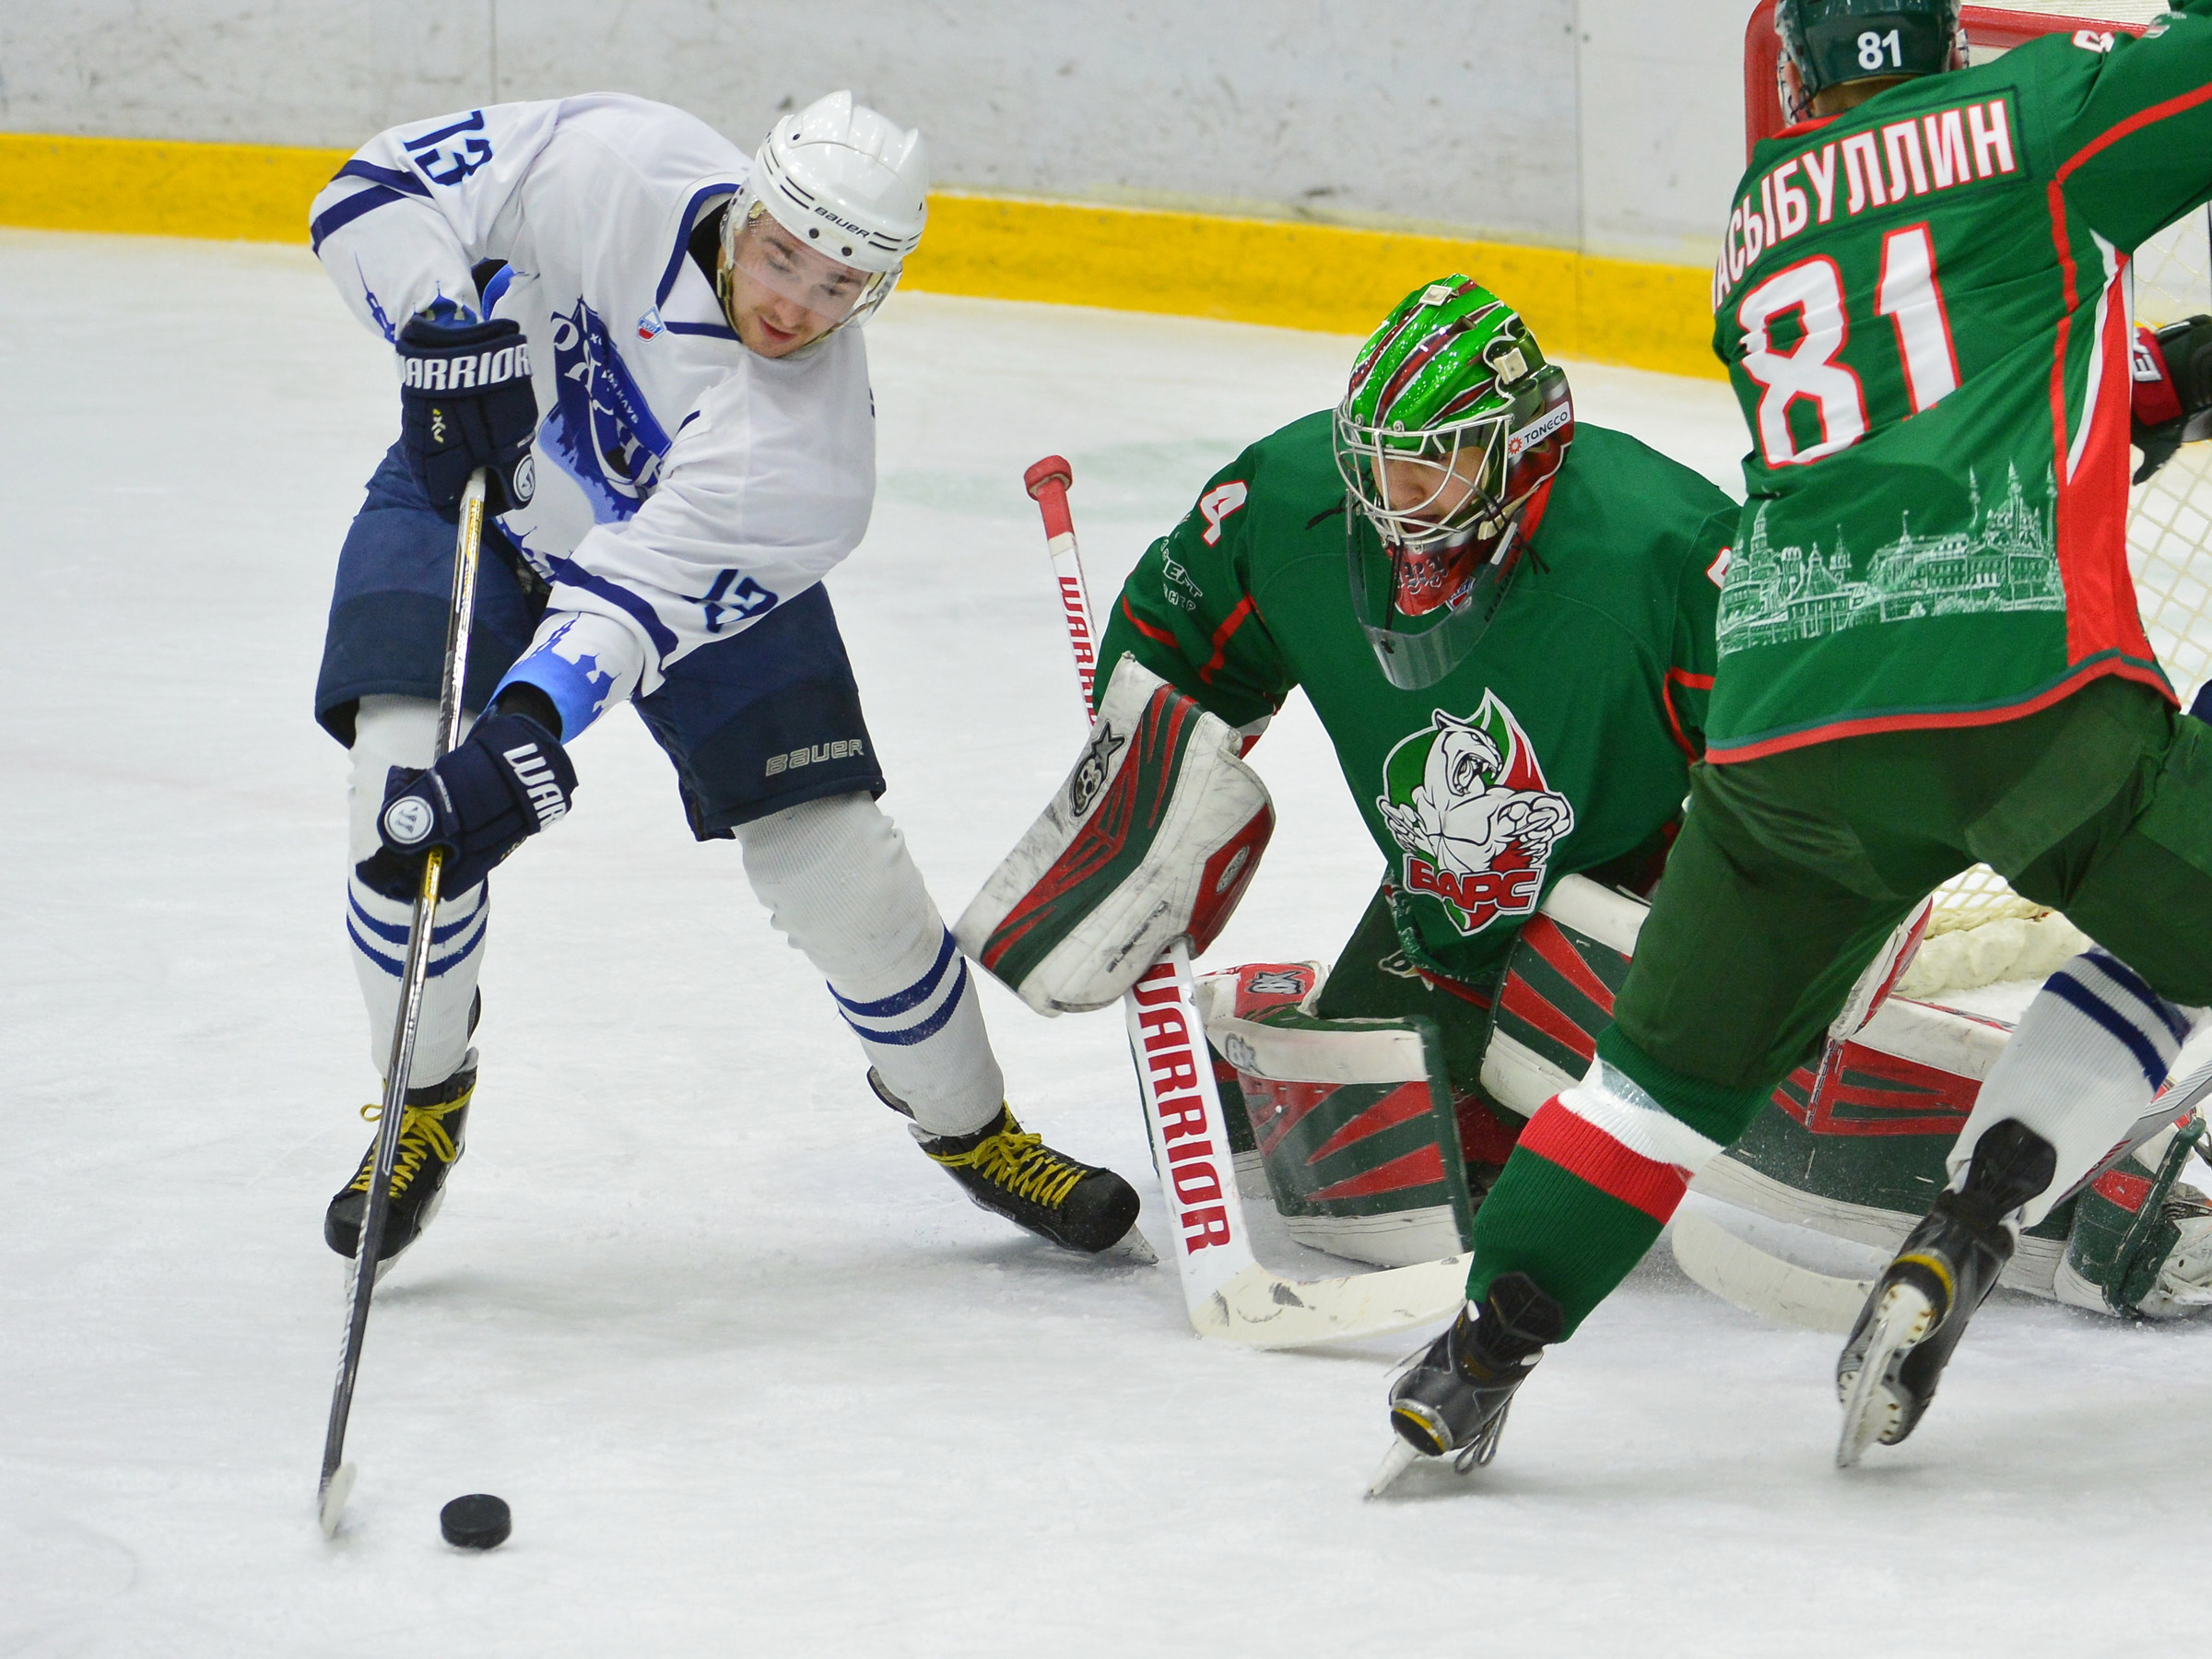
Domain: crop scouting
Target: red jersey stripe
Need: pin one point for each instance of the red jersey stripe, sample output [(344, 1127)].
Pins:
[(1222, 635), (1939, 720), (1158, 635), (1588, 1153)]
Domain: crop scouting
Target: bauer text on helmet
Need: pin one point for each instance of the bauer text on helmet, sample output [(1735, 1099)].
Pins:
[(837, 200)]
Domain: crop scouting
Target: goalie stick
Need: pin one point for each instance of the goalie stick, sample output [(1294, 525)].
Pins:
[(337, 1474), (1744, 1276), (1227, 1293)]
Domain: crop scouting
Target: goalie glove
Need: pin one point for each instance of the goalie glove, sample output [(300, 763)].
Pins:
[(2173, 402), (1151, 839)]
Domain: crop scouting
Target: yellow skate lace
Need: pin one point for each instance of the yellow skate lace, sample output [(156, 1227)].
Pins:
[(1019, 1163), (421, 1131)]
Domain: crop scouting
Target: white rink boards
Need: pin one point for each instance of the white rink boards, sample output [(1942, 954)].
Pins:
[(753, 1376)]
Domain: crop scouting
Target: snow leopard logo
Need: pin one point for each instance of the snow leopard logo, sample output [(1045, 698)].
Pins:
[(1466, 802)]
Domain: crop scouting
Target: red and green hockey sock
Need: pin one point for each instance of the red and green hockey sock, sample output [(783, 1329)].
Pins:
[(1597, 1172)]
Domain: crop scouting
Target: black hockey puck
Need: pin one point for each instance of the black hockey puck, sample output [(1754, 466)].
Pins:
[(477, 1522)]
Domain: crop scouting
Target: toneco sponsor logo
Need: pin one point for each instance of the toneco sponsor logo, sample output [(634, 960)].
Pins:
[(1529, 435), (1194, 1172)]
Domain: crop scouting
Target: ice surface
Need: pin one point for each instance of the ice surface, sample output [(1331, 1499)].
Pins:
[(753, 1377)]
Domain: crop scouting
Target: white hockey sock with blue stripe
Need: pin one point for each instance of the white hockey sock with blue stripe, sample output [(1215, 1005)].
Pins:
[(2094, 1046), (388, 732), (837, 878)]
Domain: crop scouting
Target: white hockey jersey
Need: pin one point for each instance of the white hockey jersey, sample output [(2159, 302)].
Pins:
[(684, 487)]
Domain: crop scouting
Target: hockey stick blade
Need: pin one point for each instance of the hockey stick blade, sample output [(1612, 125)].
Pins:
[(1745, 1277), (330, 1501), (1259, 1308)]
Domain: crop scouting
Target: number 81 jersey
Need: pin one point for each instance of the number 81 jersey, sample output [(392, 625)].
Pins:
[(1922, 306)]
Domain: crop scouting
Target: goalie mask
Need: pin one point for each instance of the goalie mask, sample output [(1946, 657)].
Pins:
[(1830, 43), (1453, 422), (837, 200)]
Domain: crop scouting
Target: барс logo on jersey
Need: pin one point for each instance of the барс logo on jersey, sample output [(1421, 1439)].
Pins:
[(1466, 802)]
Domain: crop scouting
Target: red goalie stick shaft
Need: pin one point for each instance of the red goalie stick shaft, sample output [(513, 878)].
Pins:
[(1227, 1293)]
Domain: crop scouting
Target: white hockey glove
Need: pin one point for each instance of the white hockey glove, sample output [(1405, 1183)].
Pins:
[(1151, 839)]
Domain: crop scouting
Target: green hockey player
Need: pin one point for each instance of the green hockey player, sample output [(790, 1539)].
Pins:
[(1513, 680), (1542, 616), (1928, 655)]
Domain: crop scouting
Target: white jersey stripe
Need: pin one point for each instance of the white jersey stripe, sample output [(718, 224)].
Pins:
[(1609, 1101)]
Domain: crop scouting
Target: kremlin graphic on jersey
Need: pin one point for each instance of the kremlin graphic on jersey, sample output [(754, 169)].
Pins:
[(2006, 559)]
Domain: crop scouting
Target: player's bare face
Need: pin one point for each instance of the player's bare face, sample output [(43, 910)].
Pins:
[(784, 295)]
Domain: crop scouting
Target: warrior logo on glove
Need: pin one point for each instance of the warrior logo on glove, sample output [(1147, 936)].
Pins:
[(408, 819), (1466, 802)]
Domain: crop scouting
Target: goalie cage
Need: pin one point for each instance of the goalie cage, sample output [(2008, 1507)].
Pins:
[(1982, 931)]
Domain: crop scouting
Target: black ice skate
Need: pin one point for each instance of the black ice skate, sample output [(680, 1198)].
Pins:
[(430, 1145), (1016, 1175), (1452, 1399), (1918, 1309)]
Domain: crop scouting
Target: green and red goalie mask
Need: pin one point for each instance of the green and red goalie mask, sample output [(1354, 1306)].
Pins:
[(1453, 422), (1831, 42)]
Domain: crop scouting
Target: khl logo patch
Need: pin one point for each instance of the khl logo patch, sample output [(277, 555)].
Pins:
[(1466, 802)]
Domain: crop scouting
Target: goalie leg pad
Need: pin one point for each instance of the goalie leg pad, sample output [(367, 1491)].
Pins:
[(1152, 838), (1352, 1118), (2141, 1241)]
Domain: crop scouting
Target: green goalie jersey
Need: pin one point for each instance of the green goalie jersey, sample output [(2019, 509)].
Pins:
[(1561, 744), (1922, 305)]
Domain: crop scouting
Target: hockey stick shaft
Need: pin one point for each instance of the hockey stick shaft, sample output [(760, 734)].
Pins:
[(1225, 1291), (1166, 1044), (331, 1492)]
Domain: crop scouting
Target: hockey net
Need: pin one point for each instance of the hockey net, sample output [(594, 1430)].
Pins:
[(1982, 931)]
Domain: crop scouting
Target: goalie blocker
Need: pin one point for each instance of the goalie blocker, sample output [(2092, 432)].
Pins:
[(1152, 839)]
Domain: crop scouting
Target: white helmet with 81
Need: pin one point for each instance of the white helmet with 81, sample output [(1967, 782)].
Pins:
[(851, 189)]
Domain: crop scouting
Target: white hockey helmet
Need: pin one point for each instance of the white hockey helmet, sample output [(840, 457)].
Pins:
[(849, 184)]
